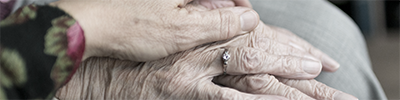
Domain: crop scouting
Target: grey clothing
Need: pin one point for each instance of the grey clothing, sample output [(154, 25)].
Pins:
[(333, 32), (327, 28)]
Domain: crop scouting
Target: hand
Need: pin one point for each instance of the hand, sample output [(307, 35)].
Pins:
[(290, 88), (143, 30), (273, 41), (277, 34), (185, 75)]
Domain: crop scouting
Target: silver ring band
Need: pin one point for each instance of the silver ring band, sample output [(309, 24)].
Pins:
[(225, 58)]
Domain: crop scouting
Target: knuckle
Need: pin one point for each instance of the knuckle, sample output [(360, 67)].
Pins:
[(293, 51), (291, 64), (289, 82), (259, 41), (250, 60), (259, 84), (229, 24), (321, 91)]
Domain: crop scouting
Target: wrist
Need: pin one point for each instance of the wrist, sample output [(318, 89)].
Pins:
[(79, 31)]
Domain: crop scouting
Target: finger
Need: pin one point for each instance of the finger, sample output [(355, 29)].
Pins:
[(214, 92), (245, 60), (328, 63), (243, 3), (291, 39), (199, 27), (260, 84), (317, 90), (214, 4), (270, 46)]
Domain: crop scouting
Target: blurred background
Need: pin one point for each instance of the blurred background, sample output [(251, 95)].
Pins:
[(379, 22)]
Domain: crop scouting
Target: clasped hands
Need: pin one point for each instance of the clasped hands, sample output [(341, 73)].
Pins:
[(267, 62)]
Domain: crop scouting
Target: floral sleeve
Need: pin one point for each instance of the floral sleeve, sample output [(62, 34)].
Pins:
[(41, 47)]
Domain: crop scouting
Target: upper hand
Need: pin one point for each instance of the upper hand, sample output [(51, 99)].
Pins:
[(143, 30)]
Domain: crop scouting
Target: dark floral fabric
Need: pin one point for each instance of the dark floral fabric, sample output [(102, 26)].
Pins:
[(21, 15), (33, 53), (6, 8)]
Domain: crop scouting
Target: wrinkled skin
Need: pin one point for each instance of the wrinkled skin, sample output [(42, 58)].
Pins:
[(189, 74), (281, 35)]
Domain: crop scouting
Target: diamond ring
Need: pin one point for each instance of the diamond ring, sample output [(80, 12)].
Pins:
[(225, 58)]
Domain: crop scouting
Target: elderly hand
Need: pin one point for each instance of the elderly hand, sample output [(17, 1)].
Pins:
[(268, 84), (278, 34), (186, 75), (143, 30)]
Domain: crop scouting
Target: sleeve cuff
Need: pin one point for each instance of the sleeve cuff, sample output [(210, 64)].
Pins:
[(76, 46)]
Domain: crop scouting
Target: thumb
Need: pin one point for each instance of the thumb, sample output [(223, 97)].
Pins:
[(203, 26)]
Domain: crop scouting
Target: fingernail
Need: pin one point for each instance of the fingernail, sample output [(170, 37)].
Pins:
[(343, 96), (331, 65), (248, 20), (311, 67)]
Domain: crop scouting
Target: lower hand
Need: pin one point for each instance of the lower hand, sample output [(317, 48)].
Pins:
[(185, 75)]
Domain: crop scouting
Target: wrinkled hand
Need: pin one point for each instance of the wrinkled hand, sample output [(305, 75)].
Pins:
[(267, 84), (188, 75), (143, 30), (272, 41), (183, 76), (277, 34)]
